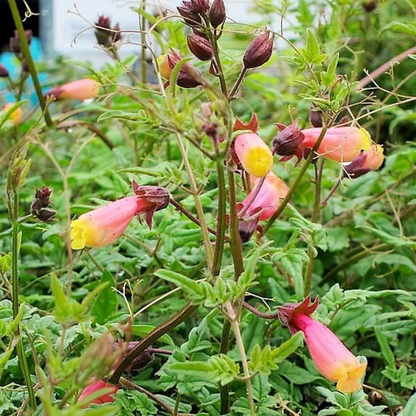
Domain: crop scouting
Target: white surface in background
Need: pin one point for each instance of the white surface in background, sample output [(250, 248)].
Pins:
[(72, 35)]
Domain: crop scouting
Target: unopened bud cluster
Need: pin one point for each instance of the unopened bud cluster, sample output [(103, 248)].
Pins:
[(105, 34), (197, 12), (40, 205)]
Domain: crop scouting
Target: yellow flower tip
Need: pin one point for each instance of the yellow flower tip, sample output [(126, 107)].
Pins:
[(77, 235), (164, 66), (351, 381), (366, 139), (258, 161), (84, 234)]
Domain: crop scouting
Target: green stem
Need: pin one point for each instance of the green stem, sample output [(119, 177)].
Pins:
[(198, 205), (224, 347), (143, 42), (148, 340), (222, 211), (296, 183), (238, 83), (235, 239), (217, 60), (314, 218), (240, 345), (24, 367), (31, 65)]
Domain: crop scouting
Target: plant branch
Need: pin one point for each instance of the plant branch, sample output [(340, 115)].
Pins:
[(148, 340), (28, 57)]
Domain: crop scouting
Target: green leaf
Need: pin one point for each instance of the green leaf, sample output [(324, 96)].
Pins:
[(410, 408), (105, 304), (281, 353), (385, 347), (185, 283), (144, 330)]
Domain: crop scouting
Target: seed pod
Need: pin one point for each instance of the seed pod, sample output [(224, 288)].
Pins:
[(259, 51), (200, 47), (217, 14)]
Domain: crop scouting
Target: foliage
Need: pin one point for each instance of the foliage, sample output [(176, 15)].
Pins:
[(183, 316)]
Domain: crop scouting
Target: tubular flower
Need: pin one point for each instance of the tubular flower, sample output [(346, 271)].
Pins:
[(82, 89), (104, 225), (107, 389), (249, 150), (365, 162), (341, 144), (266, 201), (332, 358)]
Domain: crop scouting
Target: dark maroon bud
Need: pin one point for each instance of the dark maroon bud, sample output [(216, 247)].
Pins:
[(246, 228), (153, 194), (200, 47), (287, 142), (15, 41), (369, 5), (191, 18), (4, 73), (315, 116), (104, 33), (357, 167), (39, 207), (259, 51), (200, 6), (217, 14)]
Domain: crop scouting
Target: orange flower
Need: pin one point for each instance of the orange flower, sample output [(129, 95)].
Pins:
[(82, 89), (342, 144), (267, 200), (365, 162), (104, 225), (249, 150), (332, 358)]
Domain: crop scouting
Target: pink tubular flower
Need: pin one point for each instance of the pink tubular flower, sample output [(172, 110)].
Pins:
[(341, 144), (332, 358), (249, 150), (82, 89), (266, 201), (365, 162), (107, 391), (106, 224)]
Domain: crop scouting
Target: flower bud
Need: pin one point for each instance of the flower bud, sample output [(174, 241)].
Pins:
[(259, 51), (217, 14), (369, 5), (39, 207), (365, 162), (200, 47), (315, 116), (15, 41), (287, 142), (4, 73), (188, 77), (104, 33), (106, 389)]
